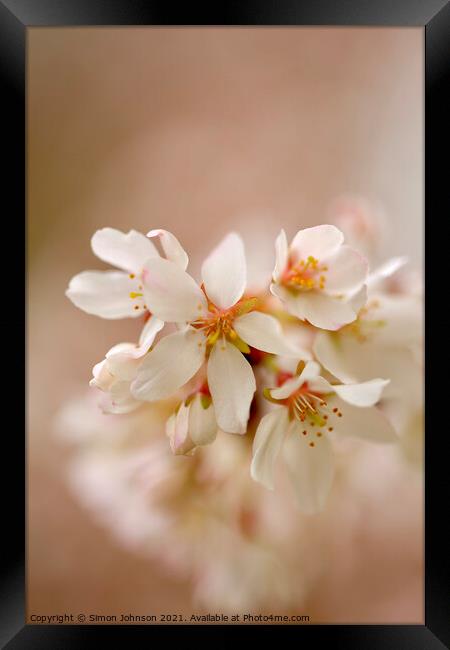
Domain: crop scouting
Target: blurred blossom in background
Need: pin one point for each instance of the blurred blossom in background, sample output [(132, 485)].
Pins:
[(200, 132)]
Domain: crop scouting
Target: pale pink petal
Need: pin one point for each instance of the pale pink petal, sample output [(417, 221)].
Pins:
[(102, 378), (224, 272), (264, 332), (149, 331), (124, 359), (171, 247), (267, 444), (128, 251), (103, 293), (320, 242), (310, 464), (309, 372), (347, 271), (327, 349), (170, 293), (281, 255), (122, 362), (400, 320), (385, 270), (118, 399), (369, 423), (320, 310), (364, 394), (358, 299), (232, 384), (173, 361), (202, 422), (177, 430)]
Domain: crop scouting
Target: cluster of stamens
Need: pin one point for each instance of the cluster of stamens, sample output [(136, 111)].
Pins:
[(305, 275), (137, 295), (307, 406), (217, 323)]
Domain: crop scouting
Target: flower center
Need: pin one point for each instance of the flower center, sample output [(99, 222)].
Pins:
[(137, 295), (219, 322), (305, 275), (311, 407)]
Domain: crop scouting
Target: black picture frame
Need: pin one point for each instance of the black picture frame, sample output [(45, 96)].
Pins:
[(16, 16)]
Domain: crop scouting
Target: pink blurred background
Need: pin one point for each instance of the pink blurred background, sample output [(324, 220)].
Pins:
[(199, 131)]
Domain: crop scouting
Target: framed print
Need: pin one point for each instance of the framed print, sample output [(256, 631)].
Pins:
[(225, 218)]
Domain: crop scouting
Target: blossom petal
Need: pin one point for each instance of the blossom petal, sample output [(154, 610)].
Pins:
[(319, 241), (309, 372), (123, 359), (128, 251), (224, 272), (310, 464), (118, 399), (347, 271), (281, 255), (103, 293), (202, 422), (364, 394), (177, 430), (352, 361), (267, 444), (386, 270), (232, 384), (264, 332), (171, 247), (320, 310), (102, 378), (149, 331), (172, 362), (369, 423), (171, 293)]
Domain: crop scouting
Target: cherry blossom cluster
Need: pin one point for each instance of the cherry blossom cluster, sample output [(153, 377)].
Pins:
[(280, 365)]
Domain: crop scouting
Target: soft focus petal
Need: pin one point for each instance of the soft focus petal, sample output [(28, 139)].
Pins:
[(357, 299), (177, 430), (321, 310), (102, 378), (353, 361), (171, 247), (267, 444), (149, 331), (232, 384), (309, 372), (118, 399), (224, 272), (386, 270), (347, 271), (128, 251), (400, 319), (310, 468), (281, 255), (123, 360), (369, 423), (365, 394), (264, 332), (202, 422), (172, 362), (319, 241), (170, 293), (102, 293)]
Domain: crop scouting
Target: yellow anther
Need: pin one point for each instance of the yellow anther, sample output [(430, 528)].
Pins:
[(133, 294)]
